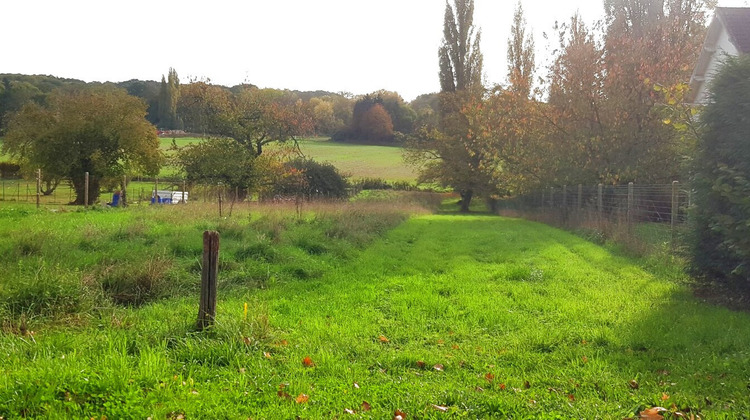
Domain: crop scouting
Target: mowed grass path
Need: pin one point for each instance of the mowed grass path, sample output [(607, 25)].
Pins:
[(482, 317)]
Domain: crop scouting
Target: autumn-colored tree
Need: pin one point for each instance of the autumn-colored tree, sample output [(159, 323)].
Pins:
[(520, 55), (102, 131), (253, 117), (376, 125), (647, 43)]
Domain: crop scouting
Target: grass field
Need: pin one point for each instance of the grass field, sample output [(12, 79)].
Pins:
[(357, 161), (443, 316)]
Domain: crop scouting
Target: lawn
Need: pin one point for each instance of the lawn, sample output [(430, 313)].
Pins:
[(442, 316)]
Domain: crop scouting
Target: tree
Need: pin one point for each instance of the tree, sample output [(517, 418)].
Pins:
[(453, 151), (520, 55), (253, 117), (460, 56), (376, 125), (219, 161), (169, 95), (721, 247), (100, 130)]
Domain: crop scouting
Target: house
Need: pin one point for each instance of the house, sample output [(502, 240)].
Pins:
[(728, 35)]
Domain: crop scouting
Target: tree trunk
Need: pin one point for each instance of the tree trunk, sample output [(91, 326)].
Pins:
[(466, 196), (79, 186)]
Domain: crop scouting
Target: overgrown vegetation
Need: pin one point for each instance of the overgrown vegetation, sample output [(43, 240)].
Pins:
[(721, 247)]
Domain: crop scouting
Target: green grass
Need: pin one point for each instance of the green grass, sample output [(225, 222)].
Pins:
[(487, 316), (356, 160), (360, 161)]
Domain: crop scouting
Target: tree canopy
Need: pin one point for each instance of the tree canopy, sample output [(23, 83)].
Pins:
[(99, 130)]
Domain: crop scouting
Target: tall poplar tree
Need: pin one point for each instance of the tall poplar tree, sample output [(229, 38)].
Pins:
[(460, 56), (521, 64), (450, 155)]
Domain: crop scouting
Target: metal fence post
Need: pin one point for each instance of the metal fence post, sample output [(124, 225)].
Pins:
[(86, 190), (38, 186), (630, 202), (675, 210)]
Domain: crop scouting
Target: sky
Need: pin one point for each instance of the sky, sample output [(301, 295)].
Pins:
[(354, 46)]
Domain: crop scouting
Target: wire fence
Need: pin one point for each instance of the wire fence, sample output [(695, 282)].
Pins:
[(663, 207)]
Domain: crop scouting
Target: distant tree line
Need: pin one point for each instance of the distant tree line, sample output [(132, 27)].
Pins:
[(341, 115)]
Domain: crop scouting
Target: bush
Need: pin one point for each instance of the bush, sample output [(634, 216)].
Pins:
[(10, 170), (721, 243), (312, 179)]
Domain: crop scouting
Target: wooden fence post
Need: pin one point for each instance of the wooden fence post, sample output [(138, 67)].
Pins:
[(209, 275), (599, 200), (86, 191), (580, 197), (38, 186), (124, 192)]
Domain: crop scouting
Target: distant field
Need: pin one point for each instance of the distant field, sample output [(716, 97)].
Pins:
[(360, 161), (356, 160)]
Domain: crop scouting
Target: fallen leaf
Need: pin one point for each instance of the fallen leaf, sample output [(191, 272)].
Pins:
[(348, 411), (489, 377), (502, 386), (302, 398), (307, 362), (441, 408), (571, 397), (479, 389), (526, 385), (284, 343), (633, 384), (652, 413), (585, 359), (664, 396), (283, 394), (420, 364), (366, 406), (383, 339), (441, 341), (455, 347), (438, 367), (267, 355), (247, 340), (399, 415)]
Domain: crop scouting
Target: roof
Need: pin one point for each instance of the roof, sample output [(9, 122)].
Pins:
[(737, 22)]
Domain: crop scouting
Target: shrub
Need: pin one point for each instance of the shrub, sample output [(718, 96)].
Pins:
[(721, 245), (10, 170), (312, 179)]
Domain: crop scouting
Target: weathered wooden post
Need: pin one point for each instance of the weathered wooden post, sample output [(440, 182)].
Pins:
[(38, 186), (599, 200), (675, 210), (209, 276), (630, 203), (580, 197), (86, 190)]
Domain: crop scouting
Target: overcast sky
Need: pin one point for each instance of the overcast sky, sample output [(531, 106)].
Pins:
[(355, 46)]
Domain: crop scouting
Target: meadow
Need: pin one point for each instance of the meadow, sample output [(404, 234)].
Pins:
[(372, 308)]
